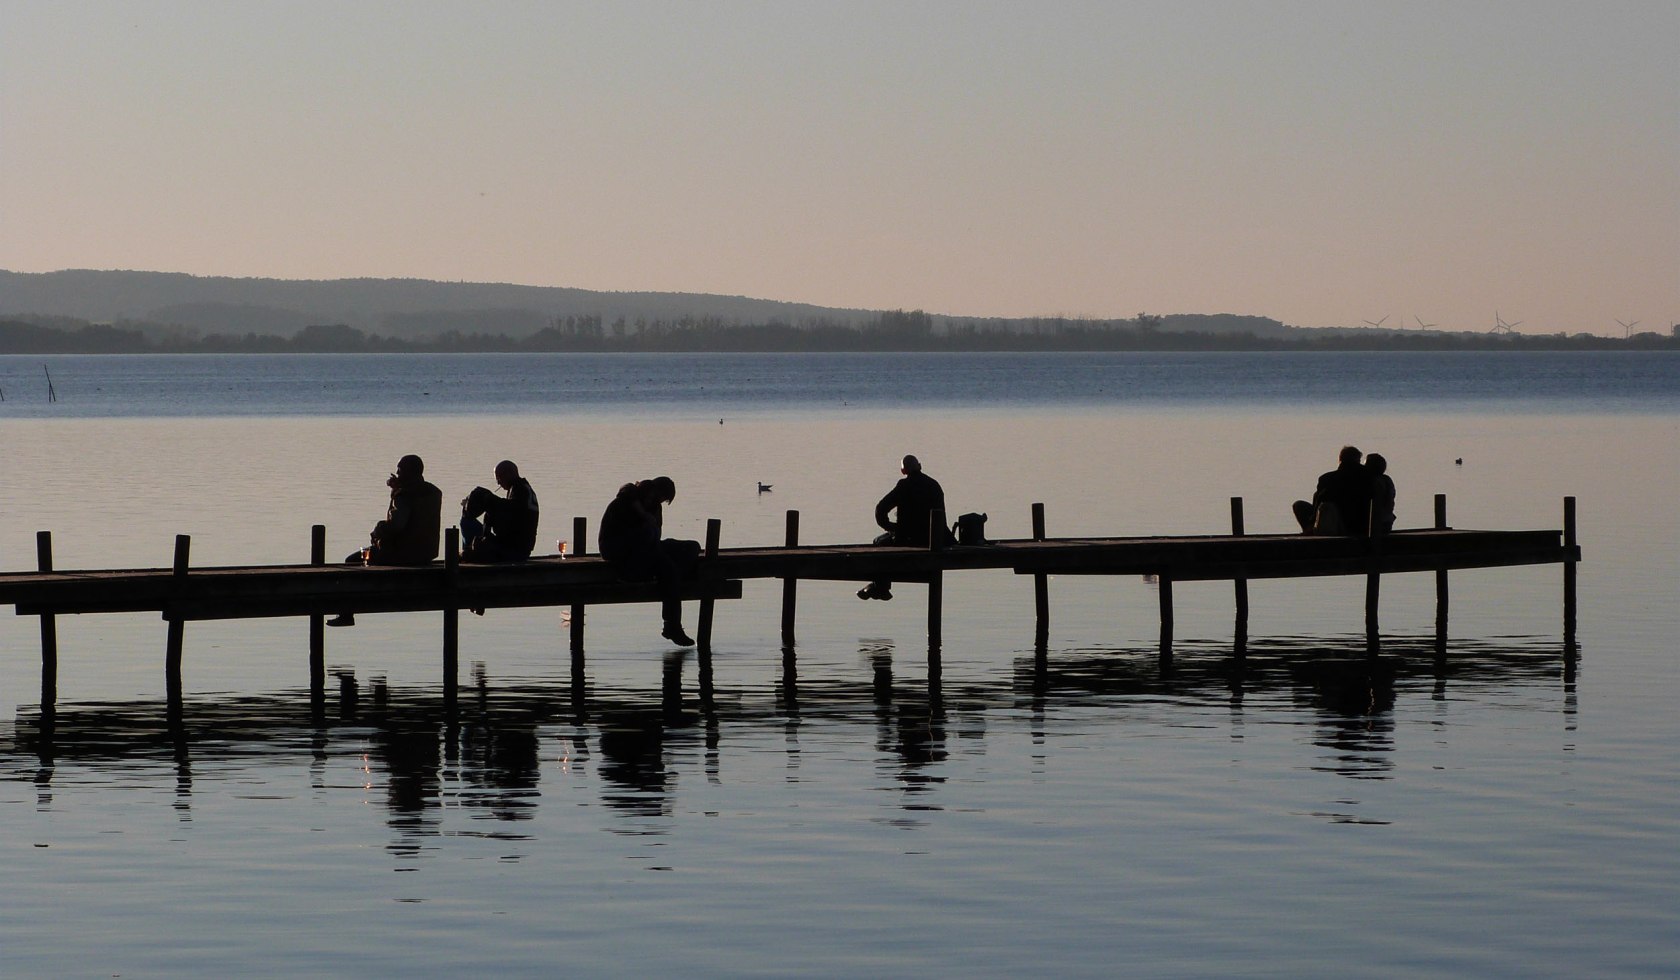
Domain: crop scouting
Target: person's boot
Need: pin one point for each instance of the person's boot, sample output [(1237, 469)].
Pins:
[(343, 619), (674, 633)]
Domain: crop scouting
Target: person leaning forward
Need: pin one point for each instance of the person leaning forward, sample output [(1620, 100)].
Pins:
[(629, 540), (916, 499), (500, 529), (1341, 503), (409, 533)]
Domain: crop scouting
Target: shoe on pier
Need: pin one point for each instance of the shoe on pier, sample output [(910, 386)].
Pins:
[(674, 633), (874, 591), (342, 619)]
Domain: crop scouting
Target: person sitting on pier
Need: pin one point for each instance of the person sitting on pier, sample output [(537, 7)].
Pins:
[(508, 529), (1382, 494), (629, 539), (409, 533), (916, 498), (1341, 504)]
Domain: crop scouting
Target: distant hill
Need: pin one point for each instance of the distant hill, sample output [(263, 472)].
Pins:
[(419, 308)]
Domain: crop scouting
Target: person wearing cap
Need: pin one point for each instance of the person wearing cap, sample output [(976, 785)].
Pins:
[(498, 529), (916, 499), (409, 533)]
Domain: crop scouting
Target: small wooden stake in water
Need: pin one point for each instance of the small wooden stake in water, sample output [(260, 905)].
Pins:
[(52, 396)]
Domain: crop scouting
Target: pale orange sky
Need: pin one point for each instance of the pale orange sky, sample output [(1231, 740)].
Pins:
[(1321, 163)]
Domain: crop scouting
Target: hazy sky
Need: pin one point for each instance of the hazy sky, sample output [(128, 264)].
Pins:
[(1323, 163)]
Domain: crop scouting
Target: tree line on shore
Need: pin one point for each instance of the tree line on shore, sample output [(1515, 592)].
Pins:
[(891, 331)]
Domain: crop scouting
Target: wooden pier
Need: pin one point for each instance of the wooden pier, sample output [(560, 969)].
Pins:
[(183, 594)]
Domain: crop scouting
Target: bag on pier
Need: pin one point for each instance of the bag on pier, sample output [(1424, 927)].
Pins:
[(970, 529)]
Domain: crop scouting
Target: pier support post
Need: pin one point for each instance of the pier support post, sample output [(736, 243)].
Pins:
[(703, 632), (790, 585), (1440, 582), (451, 614), (317, 633), (1569, 543), (49, 629), (1239, 643), (1373, 583), (1164, 587), (580, 547), (1041, 586), (936, 612), (177, 627)]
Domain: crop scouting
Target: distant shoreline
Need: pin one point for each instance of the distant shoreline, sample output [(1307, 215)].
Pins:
[(21, 337)]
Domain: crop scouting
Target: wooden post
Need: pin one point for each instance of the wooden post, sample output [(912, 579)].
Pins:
[(317, 634), (703, 637), (1569, 542), (1041, 585), (451, 613), (580, 547), (49, 628), (1164, 584), (1440, 582), (1240, 632), (936, 601), (790, 585), (1373, 585), (177, 628)]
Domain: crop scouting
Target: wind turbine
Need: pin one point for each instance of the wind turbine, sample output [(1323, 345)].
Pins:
[(1376, 323), (1422, 325), (1500, 326), (1627, 328)]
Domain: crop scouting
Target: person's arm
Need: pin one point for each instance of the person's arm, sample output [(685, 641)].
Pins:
[(885, 507), (396, 519)]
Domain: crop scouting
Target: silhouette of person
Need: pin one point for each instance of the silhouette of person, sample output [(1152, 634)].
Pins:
[(916, 498), (1341, 504), (629, 539), (409, 533), (1382, 494), (508, 529)]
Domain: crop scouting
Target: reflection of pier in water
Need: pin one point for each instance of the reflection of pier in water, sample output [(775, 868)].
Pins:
[(485, 752)]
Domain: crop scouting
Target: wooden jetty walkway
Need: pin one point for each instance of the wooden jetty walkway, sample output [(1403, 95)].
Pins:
[(182, 594)]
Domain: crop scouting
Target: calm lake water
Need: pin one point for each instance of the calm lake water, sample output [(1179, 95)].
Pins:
[(849, 810)]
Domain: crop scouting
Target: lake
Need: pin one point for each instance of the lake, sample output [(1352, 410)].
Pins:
[(848, 808)]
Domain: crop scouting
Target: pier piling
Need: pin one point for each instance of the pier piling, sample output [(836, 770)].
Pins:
[(49, 627), (1239, 638), (1041, 585), (703, 632), (790, 585), (451, 614), (317, 622), (580, 547), (177, 626), (1569, 561), (1440, 582)]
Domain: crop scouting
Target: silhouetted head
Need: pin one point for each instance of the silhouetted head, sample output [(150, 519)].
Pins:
[(662, 489), (1349, 455), (506, 473), (1376, 464), (410, 469), (911, 465)]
